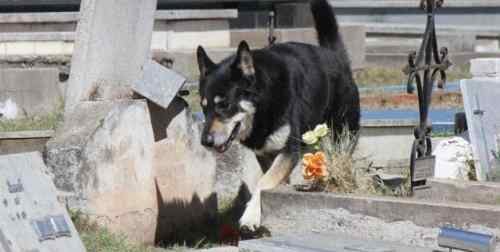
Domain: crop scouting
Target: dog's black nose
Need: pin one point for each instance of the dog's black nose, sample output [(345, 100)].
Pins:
[(207, 140)]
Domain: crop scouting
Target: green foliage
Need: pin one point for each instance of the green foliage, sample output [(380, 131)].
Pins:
[(448, 133), (45, 122), (193, 99), (97, 239)]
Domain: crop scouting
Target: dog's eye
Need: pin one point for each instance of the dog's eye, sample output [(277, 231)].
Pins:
[(223, 105)]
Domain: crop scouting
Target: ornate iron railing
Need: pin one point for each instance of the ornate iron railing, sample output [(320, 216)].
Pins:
[(430, 62)]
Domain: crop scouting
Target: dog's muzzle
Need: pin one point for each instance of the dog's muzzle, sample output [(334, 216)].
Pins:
[(208, 140)]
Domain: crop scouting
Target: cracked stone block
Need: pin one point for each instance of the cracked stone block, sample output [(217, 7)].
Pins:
[(185, 176), (102, 160)]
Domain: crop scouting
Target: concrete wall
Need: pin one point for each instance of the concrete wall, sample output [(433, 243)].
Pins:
[(386, 143), (353, 36), (28, 92), (53, 33)]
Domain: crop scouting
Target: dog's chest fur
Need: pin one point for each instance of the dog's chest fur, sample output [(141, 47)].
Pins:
[(276, 141)]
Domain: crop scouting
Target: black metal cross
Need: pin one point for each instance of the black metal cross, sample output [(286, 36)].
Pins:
[(430, 62)]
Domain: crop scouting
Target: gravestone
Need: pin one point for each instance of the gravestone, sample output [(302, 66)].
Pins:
[(480, 95), (102, 159), (113, 45), (31, 218)]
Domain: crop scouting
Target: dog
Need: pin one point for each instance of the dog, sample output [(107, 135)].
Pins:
[(267, 98)]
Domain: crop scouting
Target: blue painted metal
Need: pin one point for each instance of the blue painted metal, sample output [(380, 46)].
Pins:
[(464, 240)]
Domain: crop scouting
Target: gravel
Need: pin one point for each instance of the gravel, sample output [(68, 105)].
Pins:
[(362, 227)]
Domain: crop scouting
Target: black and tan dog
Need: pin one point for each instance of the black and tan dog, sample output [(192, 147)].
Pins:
[(268, 98)]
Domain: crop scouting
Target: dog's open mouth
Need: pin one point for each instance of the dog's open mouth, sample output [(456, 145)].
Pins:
[(224, 147)]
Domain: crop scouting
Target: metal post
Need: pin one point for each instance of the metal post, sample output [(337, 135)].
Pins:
[(430, 62), (271, 25)]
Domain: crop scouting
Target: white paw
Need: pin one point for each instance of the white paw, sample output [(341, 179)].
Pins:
[(251, 216)]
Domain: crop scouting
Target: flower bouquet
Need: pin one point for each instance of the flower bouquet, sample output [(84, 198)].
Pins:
[(328, 163)]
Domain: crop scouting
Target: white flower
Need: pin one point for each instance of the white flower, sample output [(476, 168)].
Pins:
[(310, 138), (321, 130)]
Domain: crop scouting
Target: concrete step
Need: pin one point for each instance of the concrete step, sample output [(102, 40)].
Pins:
[(219, 249), (323, 242)]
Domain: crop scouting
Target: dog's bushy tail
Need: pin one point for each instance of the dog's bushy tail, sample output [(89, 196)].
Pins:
[(326, 24)]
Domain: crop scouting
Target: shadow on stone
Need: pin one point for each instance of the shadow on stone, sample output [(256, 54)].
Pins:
[(185, 222), (161, 118), (198, 223)]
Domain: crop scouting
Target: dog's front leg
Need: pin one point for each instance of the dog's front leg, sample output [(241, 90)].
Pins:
[(279, 171)]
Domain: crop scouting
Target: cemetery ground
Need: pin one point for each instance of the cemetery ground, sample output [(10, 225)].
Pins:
[(221, 228), (121, 161)]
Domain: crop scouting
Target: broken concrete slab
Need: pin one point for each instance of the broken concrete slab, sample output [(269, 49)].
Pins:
[(284, 200), (185, 177), (405, 221), (108, 54), (28, 92), (159, 84), (31, 218), (323, 242), (102, 158)]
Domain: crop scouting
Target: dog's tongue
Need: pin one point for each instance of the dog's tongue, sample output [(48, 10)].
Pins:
[(220, 149), (223, 148)]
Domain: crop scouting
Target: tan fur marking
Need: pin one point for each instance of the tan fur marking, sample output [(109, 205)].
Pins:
[(217, 126), (246, 64), (218, 99), (279, 171), (247, 68), (204, 102)]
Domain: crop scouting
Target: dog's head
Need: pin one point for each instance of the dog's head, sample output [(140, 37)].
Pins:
[(228, 97)]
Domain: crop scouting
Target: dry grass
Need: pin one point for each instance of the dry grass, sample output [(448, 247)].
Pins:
[(351, 174), (345, 175)]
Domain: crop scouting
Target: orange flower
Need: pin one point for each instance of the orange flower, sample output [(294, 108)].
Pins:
[(314, 166)]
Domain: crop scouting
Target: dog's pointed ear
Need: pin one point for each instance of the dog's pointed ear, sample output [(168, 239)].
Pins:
[(204, 62), (244, 60)]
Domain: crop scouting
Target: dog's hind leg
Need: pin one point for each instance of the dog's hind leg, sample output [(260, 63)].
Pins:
[(279, 172)]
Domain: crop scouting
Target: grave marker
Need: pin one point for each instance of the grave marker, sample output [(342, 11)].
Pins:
[(31, 218), (113, 45), (480, 96)]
